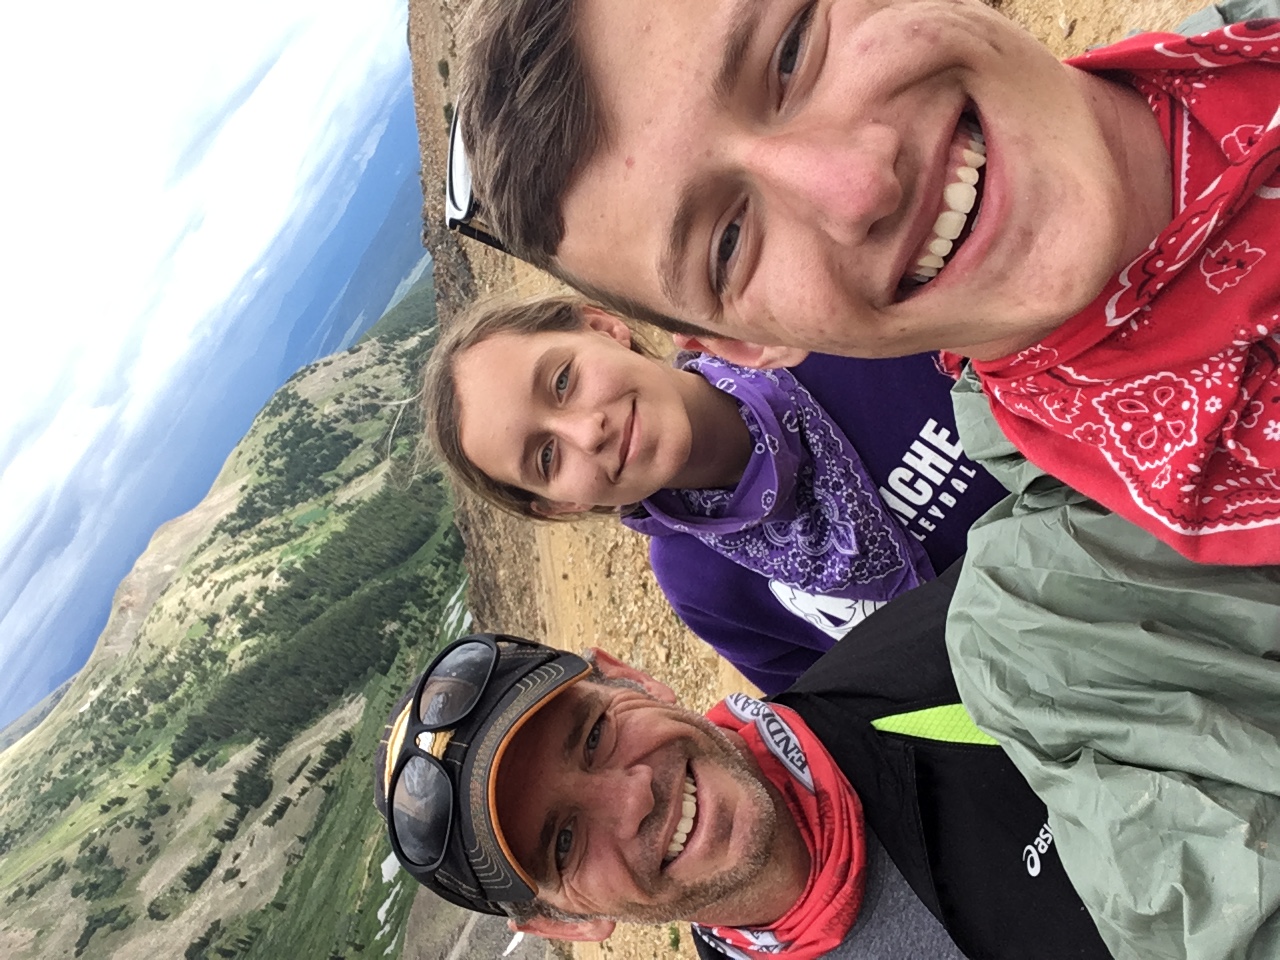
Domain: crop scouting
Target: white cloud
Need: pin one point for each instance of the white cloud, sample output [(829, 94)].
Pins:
[(156, 152)]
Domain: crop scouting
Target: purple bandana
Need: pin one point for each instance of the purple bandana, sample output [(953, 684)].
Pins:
[(805, 512)]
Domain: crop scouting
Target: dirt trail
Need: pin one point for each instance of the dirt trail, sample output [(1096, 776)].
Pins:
[(588, 583)]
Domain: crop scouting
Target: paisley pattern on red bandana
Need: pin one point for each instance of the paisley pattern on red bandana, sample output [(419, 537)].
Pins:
[(1161, 400)]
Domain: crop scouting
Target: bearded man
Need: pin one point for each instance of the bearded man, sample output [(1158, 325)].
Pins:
[(859, 814), (861, 810)]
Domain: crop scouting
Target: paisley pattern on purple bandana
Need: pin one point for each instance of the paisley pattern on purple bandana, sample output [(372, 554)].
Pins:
[(805, 512)]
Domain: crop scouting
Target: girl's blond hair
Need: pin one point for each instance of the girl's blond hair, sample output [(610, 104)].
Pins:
[(441, 413)]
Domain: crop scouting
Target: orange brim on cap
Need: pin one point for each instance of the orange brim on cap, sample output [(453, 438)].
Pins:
[(489, 854), (492, 798)]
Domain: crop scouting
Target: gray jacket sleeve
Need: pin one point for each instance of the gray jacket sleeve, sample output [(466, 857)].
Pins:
[(1139, 693), (1232, 11)]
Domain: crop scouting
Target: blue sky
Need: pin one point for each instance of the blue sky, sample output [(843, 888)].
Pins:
[(187, 197)]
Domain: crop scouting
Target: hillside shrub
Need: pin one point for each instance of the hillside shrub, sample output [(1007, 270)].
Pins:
[(278, 811), (252, 785), (194, 876), (197, 949), (100, 877), (298, 771), (334, 750), (116, 918)]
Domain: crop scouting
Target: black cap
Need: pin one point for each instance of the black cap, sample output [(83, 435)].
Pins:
[(479, 871)]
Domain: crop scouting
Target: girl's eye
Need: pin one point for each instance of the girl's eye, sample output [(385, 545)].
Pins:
[(564, 846), (792, 45), (725, 249), (562, 382), (545, 456)]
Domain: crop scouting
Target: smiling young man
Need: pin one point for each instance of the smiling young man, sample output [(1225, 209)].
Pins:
[(859, 814), (884, 177)]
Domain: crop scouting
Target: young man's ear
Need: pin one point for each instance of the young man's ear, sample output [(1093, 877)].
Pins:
[(557, 508), (741, 352), (604, 322), (585, 931), (616, 669)]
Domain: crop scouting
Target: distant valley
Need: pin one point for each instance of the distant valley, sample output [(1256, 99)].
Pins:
[(201, 789)]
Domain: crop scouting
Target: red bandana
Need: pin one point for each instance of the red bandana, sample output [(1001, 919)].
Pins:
[(1161, 400), (829, 816)]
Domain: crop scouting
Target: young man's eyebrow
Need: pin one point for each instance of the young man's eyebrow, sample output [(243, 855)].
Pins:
[(671, 264), (745, 19)]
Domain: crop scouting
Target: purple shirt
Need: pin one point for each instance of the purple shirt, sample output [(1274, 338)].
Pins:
[(896, 416)]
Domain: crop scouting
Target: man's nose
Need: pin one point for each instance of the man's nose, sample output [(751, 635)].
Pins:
[(838, 181), (623, 799)]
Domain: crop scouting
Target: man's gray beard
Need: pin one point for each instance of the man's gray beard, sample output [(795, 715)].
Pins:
[(695, 898)]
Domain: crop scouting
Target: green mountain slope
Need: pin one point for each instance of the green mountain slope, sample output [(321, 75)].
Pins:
[(413, 314), (202, 790), (19, 728)]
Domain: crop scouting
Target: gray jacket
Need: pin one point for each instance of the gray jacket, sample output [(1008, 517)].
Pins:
[(1139, 693)]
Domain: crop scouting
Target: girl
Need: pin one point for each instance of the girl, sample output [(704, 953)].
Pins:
[(783, 505)]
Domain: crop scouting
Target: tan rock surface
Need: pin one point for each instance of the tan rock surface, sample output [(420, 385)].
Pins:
[(588, 583)]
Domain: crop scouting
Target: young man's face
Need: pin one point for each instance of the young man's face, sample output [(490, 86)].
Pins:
[(622, 805), (774, 171)]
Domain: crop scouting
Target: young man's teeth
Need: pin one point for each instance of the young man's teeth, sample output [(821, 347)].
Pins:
[(958, 199), (688, 814)]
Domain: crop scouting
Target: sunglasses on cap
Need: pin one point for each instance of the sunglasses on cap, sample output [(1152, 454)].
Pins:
[(420, 794), (461, 208)]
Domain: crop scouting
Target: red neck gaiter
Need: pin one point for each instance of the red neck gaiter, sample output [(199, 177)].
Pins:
[(829, 816)]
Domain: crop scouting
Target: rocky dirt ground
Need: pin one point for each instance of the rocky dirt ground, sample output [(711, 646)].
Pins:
[(588, 583)]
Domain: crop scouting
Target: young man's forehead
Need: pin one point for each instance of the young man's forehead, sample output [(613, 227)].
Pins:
[(724, 27), (646, 62)]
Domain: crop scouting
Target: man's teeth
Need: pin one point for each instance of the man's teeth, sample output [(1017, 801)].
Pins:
[(958, 198), (688, 814)]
